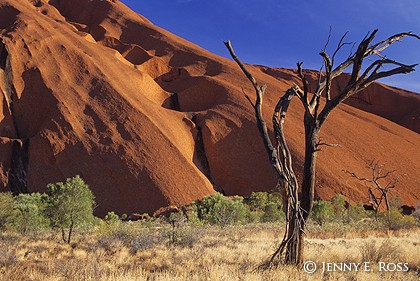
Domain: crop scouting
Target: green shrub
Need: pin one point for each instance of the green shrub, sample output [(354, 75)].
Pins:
[(257, 201), (322, 212), (205, 207), (265, 207), (338, 203), (396, 201), (357, 212), (272, 213), (192, 214), (217, 209), (254, 216), (29, 212), (69, 204), (397, 220), (111, 218), (6, 208), (276, 198), (177, 220)]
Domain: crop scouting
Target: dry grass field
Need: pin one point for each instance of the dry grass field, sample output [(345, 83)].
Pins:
[(133, 251)]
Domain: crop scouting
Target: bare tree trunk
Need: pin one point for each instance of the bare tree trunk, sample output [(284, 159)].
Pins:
[(388, 209), (308, 183), (70, 231), (63, 235), (294, 248), (294, 253), (298, 208), (291, 247)]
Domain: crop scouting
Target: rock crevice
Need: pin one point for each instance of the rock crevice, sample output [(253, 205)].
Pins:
[(17, 178), (7, 87), (18, 175), (200, 157)]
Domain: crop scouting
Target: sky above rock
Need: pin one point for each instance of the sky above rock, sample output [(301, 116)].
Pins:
[(279, 33)]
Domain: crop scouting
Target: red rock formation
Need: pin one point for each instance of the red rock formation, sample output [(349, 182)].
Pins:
[(150, 120)]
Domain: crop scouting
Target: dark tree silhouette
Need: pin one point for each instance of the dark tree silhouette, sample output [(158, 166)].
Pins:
[(378, 192), (316, 112)]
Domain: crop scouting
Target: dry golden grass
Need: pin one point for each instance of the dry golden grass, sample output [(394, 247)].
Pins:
[(202, 253)]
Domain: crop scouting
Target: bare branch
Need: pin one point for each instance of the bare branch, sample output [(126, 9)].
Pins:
[(304, 82), (262, 126), (242, 66), (299, 93), (322, 143), (328, 64), (359, 56), (279, 116), (247, 97), (319, 78), (328, 40), (303, 95), (379, 47), (376, 175), (392, 184), (359, 82), (353, 174), (328, 80), (355, 59), (339, 46), (404, 69)]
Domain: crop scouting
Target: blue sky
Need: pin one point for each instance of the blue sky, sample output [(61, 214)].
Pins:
[(278, 33)]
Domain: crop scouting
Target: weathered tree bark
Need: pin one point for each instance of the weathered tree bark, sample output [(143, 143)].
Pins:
[(298, 209), (308, 183)]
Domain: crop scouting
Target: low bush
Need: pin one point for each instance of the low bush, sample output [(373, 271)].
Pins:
[(257, 201), (322, 212), (186, 236), (145, 240), (272, 213), (265, 207), (219, 210), (6, 207), (338, 203), (397, 220), (111, 218), (357, 212), (29, 212)]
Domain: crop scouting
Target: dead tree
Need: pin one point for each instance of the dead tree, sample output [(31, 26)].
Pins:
[(377, 192), (316, 112)]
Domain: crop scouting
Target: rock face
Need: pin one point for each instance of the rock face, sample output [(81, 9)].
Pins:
[(150, 120)]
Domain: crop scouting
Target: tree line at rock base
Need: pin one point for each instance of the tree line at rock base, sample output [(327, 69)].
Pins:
[(69, 205)]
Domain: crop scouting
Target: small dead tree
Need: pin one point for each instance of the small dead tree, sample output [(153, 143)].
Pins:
[(377, 191), (316, 112)]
